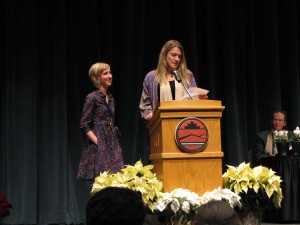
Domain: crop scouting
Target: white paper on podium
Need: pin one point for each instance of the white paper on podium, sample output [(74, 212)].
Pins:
[(194, 91)]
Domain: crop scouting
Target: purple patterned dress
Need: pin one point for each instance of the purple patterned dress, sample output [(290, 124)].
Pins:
[(107, 154)]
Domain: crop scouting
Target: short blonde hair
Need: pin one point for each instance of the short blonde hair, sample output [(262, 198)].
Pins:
[(95, 71)]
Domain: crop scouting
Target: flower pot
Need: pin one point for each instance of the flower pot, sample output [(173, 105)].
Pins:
[(282, 148), (296, 147)]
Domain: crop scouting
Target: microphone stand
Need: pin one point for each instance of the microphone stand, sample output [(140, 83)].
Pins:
[(183, 84), (178, 78)]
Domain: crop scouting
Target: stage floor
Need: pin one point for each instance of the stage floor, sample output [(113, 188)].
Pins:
[(280, 223)]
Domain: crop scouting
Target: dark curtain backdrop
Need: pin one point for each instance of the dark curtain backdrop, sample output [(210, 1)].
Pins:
[(245, 52)]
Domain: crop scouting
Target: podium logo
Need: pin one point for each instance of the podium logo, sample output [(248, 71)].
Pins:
[(191, 135)]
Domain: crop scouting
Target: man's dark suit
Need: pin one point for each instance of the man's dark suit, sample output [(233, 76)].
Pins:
[(260, 145)]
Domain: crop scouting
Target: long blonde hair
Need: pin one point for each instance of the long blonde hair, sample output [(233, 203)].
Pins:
[(162, 66), (95, 71)]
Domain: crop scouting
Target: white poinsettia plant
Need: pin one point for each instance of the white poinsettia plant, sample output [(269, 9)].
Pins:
[(256, 186), (179, 205), (296, 135), (220, 194), (138, 178), (280, 136)]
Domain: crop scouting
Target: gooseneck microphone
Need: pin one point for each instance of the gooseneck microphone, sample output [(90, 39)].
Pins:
[(178, 78)]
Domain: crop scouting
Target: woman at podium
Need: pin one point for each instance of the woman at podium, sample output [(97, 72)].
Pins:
[(168, 81)]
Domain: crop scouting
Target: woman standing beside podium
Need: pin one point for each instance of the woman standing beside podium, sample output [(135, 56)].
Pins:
[(102, 149), (160, 84)]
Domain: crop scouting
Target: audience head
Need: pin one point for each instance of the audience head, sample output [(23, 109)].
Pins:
[(115, 206), (279, 120), (217, 213), (251, 220)]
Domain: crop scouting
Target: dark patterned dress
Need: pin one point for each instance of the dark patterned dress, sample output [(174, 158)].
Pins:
[(98, 116)]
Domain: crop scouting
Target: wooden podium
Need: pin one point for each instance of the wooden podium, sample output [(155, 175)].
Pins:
[(199, 172)]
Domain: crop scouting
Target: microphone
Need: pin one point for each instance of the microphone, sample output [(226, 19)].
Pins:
[(178, 78)]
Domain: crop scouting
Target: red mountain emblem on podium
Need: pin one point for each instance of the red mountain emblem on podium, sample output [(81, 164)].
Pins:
[(191, 135)]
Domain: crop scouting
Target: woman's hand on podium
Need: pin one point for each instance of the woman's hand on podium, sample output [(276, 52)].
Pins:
[(203, 96)]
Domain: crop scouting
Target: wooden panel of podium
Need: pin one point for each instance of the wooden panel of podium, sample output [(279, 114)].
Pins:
[(199, 172)]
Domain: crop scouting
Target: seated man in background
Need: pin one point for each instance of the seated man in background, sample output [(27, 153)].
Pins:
[(264, 144), (115, 206)]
